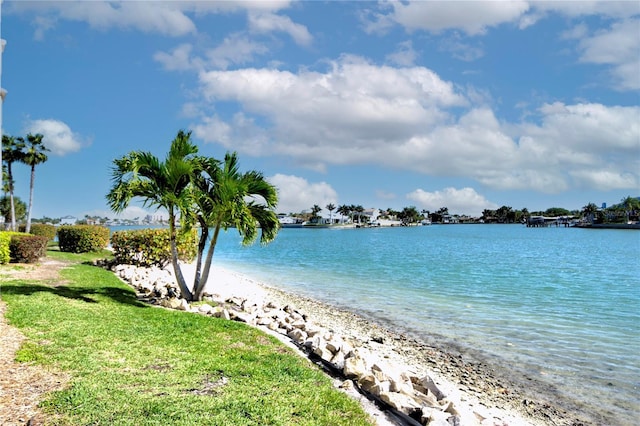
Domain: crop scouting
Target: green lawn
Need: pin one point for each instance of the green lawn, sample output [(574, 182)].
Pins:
[(132, 364)]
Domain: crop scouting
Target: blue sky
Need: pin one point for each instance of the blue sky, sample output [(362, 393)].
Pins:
[(465, 105)]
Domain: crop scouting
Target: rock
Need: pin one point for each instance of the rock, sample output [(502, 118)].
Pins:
[(354, 367), (346, 385), (367, 381), (426, 383), (334, 345), (338, 360), (205, 308), (297, 335), (400, 381), (184, 305), (400, 402), (172, 303)]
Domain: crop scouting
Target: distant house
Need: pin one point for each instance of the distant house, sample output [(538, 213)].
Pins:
[(68, 220)]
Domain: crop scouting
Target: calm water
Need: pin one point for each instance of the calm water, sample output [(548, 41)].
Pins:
[(559, 305)]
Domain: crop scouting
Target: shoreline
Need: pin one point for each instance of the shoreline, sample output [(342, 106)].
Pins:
[(473, 390), (473, 383)]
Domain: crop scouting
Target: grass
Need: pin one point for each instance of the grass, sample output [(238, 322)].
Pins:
[(132, 364)]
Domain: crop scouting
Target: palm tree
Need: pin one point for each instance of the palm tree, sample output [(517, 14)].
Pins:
[(344, 210), (34, 154), (314, 211), (331, 208), (358, 209), (227, 198), (165, 184), (11, 152)]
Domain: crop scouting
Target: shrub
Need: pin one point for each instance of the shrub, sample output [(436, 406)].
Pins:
[(44, 230), (151, 247), (5, 242), (82, 238), (27, 248)]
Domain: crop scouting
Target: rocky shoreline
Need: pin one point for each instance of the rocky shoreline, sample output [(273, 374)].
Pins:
[(413, 382)]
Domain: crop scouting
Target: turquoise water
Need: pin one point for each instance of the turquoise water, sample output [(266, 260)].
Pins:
[(560, 306)]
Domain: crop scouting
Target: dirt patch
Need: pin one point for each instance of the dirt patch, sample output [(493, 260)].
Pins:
[(47, 270), (23, 385)]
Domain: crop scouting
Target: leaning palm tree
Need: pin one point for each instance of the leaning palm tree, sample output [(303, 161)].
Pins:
[(11, 152), (165, 184), (34, 154), (227, 198)]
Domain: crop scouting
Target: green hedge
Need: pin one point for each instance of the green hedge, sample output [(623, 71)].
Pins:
[(5, 245), (82, 238), (27, 248), (44, 230), (151, 247)]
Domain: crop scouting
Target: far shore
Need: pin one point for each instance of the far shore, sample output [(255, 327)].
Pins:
[(473, 384)]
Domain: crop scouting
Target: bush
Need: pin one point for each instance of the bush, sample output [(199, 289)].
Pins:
[(44, 230), (82, 238), (152, 247), (5, 242), (27, 248)]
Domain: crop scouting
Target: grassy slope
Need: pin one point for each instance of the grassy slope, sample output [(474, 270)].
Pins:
[(132, 364)]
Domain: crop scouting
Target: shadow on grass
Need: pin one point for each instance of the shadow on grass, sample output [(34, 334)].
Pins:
[(84, 294)]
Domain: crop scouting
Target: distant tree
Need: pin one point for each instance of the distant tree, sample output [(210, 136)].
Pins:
[(409, 215), (488, 215), (631, 206), (438, 216), (503, 214), (19, 208), (358, 210), (344, 210), (34, 154), (557, 211), (315, 210), (11, 152), (331, 208), (589, 212)]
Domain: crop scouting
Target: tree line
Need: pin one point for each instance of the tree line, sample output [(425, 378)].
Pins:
[(627, 209), (31, 152)]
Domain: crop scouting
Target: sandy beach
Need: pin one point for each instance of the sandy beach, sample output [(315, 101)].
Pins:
[(471, 385)]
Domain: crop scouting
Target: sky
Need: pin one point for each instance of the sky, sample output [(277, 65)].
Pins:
[(467, 105)]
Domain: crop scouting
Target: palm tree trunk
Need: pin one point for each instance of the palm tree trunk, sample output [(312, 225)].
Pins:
[(207, 265), (202, 242), (13, 206), (33, 176), (184, 290)]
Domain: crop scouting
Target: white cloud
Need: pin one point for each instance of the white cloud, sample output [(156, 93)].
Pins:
[(457, 201), (179, 59), (167, 17), (619, 47), (472, 17), (346, 115), (235, 49), (296, 194), (266, 22), (58, 136), (404, 56), (410, 119)]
